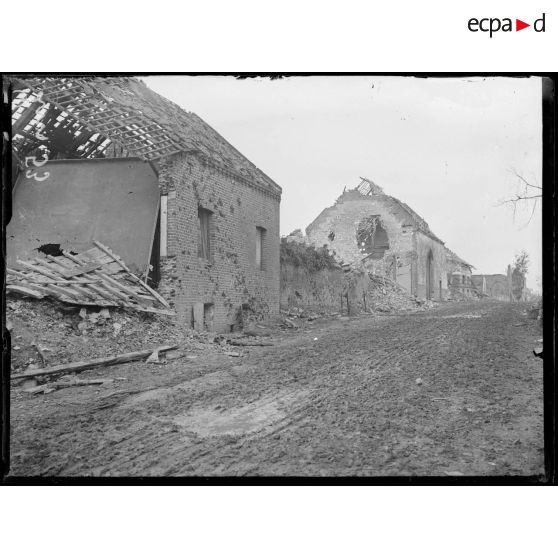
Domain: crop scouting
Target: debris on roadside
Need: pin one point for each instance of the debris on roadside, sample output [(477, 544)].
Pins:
[(535, 312), (153, 357), (68, 383), (174, 354), (88, 365), (47, 327), (254, 342), (96, 277)]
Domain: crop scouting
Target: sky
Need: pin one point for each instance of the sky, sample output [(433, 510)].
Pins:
[(448, 147)]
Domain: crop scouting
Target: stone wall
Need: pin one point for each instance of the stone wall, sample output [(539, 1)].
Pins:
[(230, 277), (317, 291), (425, 245)]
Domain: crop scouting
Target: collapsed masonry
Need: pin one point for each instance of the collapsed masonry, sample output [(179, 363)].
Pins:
[(314, 283), (111, 160), (368, 229)]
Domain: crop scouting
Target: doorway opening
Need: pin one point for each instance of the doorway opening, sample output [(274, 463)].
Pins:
[(429, 276), (208, 314)]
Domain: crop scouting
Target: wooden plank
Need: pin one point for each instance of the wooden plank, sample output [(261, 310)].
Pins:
[(126, 289), (109, 252), (17, 273), (32, 278), (108, 292), (81, 270), (74, 295), (87, 365), (105, 294), (109, 286), (23, 290), (75, 291), (53, 282), (153, 292), (26, 285), (102, 289), (40, 270), (61, 291), (242, 343)]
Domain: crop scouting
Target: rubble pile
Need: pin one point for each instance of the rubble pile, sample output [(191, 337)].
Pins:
[(45, 333), (389, 298), (295, 317), (371, 293), (250, 313)]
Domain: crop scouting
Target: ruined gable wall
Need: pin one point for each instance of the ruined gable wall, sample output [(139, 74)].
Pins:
[(343, 220), (231, 277)]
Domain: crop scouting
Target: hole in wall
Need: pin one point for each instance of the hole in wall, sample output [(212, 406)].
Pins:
[(372, 238), (50, 249)]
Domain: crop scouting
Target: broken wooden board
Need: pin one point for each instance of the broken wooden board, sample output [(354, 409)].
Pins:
[(95, 363), (96, 277)]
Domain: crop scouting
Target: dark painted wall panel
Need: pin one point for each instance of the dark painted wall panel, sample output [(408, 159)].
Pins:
[(114, 201)]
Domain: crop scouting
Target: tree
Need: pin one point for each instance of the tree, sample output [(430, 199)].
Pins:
[(521, 262), (519, 273), (528, 195)]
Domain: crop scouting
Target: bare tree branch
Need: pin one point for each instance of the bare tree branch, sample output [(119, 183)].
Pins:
[(525, 181)]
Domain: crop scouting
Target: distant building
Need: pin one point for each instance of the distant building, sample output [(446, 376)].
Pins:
[(208, 237), (495, 286), (367, 227), (460, 283)]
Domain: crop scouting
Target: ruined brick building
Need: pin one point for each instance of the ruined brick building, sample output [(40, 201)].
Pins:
[(367, 227), (157, 184)]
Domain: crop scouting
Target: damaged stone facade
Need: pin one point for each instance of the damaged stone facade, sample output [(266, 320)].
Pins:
[(366, 227)]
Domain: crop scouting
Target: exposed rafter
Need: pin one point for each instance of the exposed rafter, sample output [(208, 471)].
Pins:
[(128, 118)]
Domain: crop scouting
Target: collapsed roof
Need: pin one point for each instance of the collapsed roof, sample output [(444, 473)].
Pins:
[(90, 117), (453, 256)]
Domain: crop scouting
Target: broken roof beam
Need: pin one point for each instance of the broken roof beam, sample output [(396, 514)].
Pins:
[(63, 108)]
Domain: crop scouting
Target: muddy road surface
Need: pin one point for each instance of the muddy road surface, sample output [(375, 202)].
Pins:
[(453, 391)]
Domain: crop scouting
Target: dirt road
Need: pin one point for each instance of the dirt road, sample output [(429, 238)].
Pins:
[(342, 398)]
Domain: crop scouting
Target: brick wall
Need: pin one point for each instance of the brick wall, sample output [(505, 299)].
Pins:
[(230, 277)]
